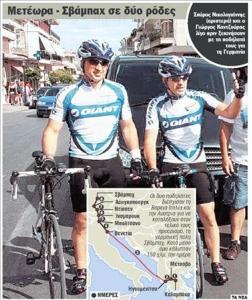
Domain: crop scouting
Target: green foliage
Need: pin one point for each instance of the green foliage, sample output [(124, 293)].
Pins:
[(60, 76), (53, 77), (32, 74)]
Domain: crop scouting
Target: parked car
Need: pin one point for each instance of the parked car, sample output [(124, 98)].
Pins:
[(35, 97), (45, 103), (139, 75)]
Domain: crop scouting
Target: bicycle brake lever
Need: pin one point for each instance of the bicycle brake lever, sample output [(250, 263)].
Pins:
[(13, 181), (14, 190)]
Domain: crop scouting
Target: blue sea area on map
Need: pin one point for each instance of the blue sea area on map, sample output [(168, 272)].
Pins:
[(129, 257), (104, 278), (152, 295)]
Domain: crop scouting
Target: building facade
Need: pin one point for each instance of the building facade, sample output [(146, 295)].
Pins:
[(158, 37), (32, 44)]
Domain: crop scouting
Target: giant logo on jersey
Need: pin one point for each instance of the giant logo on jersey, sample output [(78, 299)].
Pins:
[(181, 122), (95, 110)]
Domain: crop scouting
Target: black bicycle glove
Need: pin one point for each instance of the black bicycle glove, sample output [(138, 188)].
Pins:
[(136, 166), (239, 93), (48, 164), (155, 179)]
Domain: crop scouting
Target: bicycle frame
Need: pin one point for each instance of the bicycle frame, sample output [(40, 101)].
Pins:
[(45, 208), (46, 203)]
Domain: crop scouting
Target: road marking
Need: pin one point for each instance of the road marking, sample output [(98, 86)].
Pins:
[(14, 110)]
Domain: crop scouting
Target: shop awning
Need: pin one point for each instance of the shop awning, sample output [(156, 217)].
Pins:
[(47, 45), (18, 68), (58, 50)]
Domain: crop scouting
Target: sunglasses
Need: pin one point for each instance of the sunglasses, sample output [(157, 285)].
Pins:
[(96, 61), (178, 78)]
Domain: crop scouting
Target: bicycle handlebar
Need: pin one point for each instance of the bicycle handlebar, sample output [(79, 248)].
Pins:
[(179, 171), (61, 170), (183, 172)]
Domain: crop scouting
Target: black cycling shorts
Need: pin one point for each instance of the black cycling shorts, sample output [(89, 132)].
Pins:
[(104, 173), (201, 181)]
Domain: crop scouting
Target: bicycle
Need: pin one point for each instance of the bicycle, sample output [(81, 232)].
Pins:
[(46, 228), (181, 173)]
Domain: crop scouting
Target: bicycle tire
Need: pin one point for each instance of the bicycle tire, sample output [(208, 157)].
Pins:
[(56, 262), (199, 266)]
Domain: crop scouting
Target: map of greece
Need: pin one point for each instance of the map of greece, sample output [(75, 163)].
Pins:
[(141, 244)]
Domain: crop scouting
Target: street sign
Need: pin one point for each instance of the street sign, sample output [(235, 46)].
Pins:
[(37, 55)]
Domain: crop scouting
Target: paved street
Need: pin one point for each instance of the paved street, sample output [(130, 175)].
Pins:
[(237, 270), (21, 135)]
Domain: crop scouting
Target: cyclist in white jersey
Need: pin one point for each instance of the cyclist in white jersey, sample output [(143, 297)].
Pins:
[(93, 109), (179, 116)]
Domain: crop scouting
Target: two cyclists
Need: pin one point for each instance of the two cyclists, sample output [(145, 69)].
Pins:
[(93, 110)]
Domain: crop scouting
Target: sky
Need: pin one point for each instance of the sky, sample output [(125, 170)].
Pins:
[(73, 32)]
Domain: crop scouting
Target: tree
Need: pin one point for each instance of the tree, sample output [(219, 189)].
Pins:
[(32, 74), (60, 76), (53, 77)]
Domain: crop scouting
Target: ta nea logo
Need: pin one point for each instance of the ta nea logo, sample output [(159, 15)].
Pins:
[(104, 295)]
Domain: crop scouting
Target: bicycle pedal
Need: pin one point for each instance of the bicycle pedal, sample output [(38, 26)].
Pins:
[(30, 258)]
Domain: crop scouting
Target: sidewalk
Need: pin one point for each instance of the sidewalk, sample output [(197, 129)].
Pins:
[(7, 108)]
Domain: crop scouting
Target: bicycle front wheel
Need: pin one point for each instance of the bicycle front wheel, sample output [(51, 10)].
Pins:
[(199, 266), (56, 262)]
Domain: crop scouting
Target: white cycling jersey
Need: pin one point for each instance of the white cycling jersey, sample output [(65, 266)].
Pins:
[(180, 123), (93, 117), (239, 136)]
